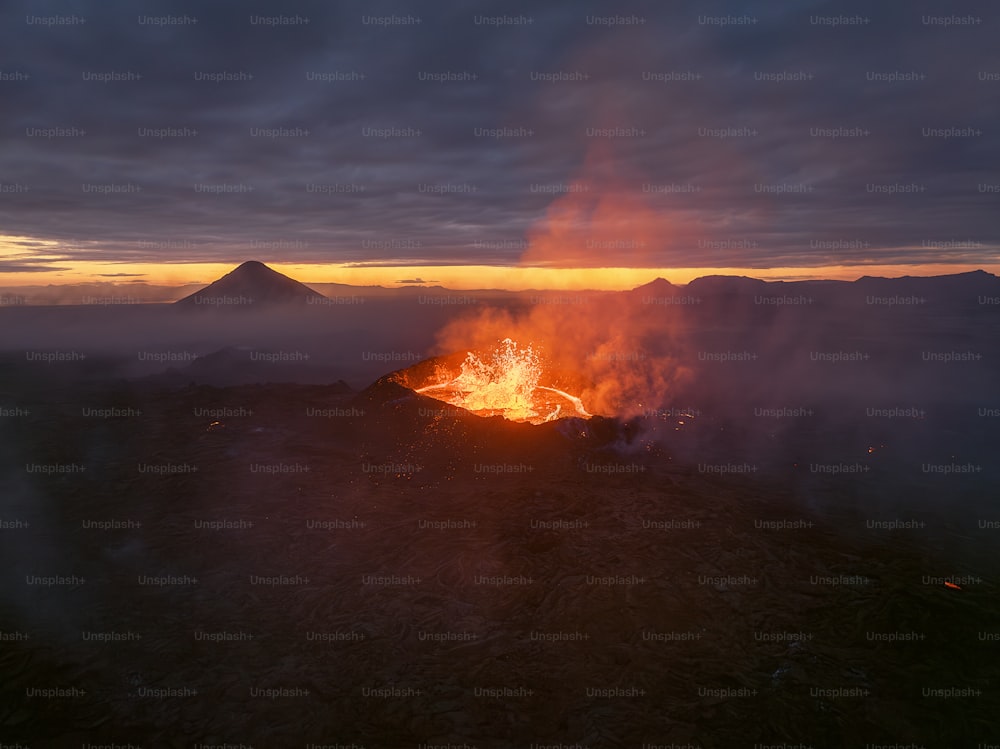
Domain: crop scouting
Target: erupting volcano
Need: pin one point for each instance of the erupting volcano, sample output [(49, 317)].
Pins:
[(505, 383)]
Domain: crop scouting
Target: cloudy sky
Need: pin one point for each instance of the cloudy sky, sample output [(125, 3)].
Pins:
[(778, 134)]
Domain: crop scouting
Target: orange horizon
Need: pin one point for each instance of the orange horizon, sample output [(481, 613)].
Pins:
[(461, 277)]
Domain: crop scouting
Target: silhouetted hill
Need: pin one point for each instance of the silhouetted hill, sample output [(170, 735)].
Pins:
[(251, 284), (655, 288), (954, 287), (954, 290), (726, 285)]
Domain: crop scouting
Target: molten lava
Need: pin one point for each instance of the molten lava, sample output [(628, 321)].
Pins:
[(506, 384)]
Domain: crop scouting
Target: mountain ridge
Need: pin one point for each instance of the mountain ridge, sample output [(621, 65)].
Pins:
[(251, 283)]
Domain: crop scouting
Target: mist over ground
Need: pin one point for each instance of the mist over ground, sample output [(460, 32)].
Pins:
[(779, 479)]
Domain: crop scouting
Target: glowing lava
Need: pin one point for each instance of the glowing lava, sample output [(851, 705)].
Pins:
[(506, 384)]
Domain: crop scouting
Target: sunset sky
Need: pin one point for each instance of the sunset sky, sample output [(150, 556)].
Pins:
[(466, 144)]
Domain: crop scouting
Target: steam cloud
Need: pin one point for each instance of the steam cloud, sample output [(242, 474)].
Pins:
[(618, 358)]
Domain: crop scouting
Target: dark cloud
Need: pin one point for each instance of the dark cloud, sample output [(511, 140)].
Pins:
[(296, 158), (16, 267)]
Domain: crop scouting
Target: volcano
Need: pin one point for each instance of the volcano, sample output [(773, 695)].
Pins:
[(507, 381), (252, 284)]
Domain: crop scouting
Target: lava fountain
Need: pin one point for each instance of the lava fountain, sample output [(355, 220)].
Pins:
[(506, 382)]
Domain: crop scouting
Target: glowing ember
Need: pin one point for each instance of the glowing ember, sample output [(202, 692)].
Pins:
[(506, 385)]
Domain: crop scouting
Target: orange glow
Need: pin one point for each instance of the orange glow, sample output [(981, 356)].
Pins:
[(506, 384), (602, 214), (464, 277), (458, 277), (616, 358), (952, 585)]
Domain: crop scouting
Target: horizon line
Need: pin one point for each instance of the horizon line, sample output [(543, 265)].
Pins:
[(509, 278)]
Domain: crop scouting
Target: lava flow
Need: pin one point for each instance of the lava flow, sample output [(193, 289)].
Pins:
[(506, 384)]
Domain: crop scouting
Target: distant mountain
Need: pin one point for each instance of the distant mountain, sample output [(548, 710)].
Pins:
[(726, 285), (251, 284), (657, 288), (961, 289), (967, 285)]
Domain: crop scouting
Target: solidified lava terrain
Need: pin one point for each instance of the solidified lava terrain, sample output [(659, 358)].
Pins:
[(318, 565), (226, 543)]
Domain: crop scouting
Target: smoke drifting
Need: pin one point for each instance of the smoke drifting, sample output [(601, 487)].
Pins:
[(604, 219), (608, 350), (619, 356)]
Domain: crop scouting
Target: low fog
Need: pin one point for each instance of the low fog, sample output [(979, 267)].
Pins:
[(875, 367)]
